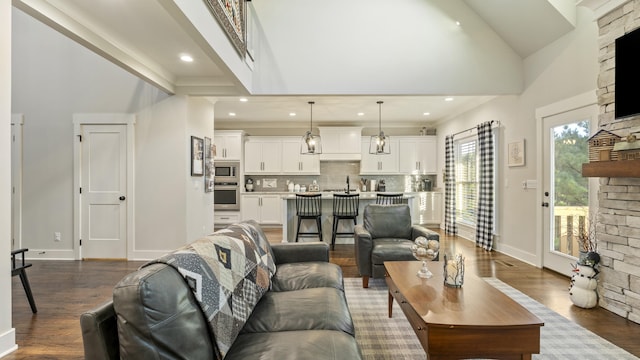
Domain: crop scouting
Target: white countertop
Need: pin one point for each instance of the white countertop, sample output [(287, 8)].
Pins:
[(329, 194), (363, 195)]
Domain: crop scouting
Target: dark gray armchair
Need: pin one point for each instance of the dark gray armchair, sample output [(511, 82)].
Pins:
[(385, 235)]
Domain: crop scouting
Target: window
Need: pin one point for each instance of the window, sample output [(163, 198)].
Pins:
[(466, 181)]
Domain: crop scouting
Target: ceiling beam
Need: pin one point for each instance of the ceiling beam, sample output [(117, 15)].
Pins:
[(57, 19)]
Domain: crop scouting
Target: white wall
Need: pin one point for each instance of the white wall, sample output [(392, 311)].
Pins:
[(53, 78), (566, 68), (366, 46), (7, 333), (172, 208), (199, 204), (160, 163)]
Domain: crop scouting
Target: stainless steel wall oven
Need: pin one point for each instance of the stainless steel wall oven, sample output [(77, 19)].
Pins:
[(226, 186), (226, 196)]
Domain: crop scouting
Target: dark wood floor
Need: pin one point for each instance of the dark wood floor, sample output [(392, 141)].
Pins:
[(64, 289)]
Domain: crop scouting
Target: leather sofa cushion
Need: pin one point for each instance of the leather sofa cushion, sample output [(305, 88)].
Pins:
[(391, 250), (385, 221), (305, 275), (307, 309), (295, 345), (155, 308)]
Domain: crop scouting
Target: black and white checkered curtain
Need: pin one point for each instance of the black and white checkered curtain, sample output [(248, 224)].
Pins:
[(450, 226), (484, 222)]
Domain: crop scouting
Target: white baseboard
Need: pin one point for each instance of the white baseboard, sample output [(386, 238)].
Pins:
[(146, 255), (523, 256), (8, 342), (49, 254)]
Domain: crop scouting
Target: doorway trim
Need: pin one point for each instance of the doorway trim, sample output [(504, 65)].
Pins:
[(17, 122), (102, 119), (562, 106)]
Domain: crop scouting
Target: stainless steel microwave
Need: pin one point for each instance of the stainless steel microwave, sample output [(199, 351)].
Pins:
[(226, 172)]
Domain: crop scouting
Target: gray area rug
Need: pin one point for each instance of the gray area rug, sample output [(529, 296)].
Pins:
[(381, 338)]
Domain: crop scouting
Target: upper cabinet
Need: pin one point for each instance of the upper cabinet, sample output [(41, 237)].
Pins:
[(418, 155), (295, 163), (228, 144), (340, 143), (263, 155), (379, 164)]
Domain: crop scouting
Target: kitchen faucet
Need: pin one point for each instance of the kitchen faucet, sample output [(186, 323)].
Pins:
[(347, 184)]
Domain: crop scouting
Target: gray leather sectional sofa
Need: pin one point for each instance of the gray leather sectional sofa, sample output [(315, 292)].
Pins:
[(158, 312)]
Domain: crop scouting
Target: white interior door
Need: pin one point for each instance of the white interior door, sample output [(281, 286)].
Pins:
[(104, 191), (566, 195)]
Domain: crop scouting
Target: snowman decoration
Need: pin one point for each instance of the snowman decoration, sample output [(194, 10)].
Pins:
[(583, 287)]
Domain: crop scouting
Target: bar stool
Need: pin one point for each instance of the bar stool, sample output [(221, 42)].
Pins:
[(345, 206), (389, 199), (309, 207)]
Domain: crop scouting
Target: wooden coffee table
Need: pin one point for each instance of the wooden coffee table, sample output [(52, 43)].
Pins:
[(474, 321)]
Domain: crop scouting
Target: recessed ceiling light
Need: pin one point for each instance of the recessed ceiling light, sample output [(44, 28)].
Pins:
[(458, 23), (292, 114), (244, 99), (232, 114), (426, 114), (186, 58), (448, 99), (360, 114)]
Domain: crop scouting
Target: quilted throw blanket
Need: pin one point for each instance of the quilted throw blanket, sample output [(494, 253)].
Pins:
[(228, 272)]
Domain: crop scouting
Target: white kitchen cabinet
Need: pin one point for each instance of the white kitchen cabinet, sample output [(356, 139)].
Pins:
[(228, 145), (379, 164), (262, 155), (226, 217), (340, 142), (265, 209), (427, 208), (418, 155), (295, 163)]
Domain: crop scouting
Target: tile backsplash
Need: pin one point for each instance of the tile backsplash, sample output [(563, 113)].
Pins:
[(334, 176)]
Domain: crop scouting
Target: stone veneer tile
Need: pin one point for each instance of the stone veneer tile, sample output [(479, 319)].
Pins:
[(634, 283), (625, 267), (614, 295), (629, 232), (613, 277), (611, 254)]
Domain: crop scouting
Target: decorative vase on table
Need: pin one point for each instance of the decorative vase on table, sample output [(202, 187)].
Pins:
[(425, 250), (454, 271)]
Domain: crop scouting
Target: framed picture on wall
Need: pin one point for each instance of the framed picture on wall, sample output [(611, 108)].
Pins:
[(208, 165), (516, 153), (197, 156)]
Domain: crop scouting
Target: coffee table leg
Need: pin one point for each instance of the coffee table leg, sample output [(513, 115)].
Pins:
[(390, 304)]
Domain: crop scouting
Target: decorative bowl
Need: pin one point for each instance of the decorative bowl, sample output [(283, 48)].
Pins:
[(425, 250)]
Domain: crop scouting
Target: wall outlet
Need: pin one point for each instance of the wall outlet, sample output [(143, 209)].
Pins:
[(57, 236)]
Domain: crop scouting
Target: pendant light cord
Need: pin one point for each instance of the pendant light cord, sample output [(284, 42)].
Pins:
[(380, 117), (311, 122)]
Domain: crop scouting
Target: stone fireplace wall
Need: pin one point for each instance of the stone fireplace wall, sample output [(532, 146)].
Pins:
[(618, 229)]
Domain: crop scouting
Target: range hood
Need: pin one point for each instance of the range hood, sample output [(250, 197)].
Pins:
[(341, 143)]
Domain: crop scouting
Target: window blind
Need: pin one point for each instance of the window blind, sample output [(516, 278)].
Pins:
[(466, 181)]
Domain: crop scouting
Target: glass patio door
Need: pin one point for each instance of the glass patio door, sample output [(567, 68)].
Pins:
[(566, 194)]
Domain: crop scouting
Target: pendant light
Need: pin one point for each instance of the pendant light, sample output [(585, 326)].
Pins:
[(311, 144), (379, 144)]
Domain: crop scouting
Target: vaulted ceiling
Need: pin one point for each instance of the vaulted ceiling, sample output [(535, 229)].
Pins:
[(147, 37)]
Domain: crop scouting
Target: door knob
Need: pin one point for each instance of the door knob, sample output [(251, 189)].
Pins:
[(122, 198)]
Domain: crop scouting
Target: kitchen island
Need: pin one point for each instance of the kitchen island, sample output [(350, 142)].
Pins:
[(290, 220)]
